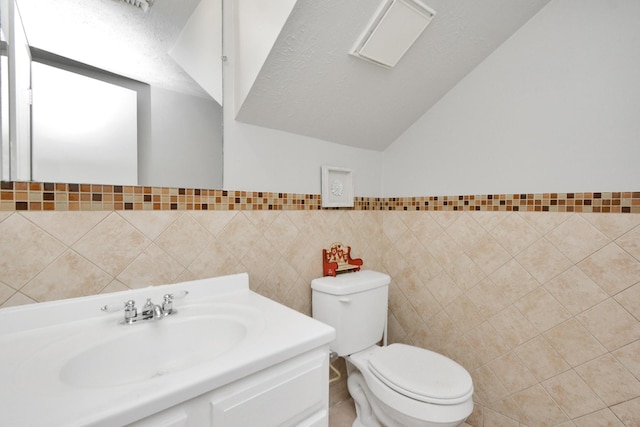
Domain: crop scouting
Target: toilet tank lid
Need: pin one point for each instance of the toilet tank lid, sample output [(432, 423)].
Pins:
[(350, 283)]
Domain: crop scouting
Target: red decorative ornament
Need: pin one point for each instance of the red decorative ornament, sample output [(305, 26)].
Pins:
[(337, 259)]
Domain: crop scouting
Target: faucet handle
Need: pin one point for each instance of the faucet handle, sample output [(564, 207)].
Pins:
[(167, 304), (113, 308), (177, 295)]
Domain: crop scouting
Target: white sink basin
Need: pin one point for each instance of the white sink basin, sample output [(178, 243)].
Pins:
[(144, 351)]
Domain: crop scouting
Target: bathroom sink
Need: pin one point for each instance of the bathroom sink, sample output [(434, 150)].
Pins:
[(70, 363), (141, 352), (103, 353)]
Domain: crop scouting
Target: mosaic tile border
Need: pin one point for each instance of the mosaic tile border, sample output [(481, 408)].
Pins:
[(39, 196), (597, 202)]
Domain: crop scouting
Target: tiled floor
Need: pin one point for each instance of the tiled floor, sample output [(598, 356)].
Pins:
[(342, 414)]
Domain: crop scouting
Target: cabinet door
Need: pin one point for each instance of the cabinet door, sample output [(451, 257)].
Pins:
[(294, 394), (173, 417)]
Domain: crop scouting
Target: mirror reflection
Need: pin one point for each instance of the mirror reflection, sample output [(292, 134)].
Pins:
[(121, 92)]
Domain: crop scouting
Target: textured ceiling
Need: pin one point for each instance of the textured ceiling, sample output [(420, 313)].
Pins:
[(309, 85), (114, 36)]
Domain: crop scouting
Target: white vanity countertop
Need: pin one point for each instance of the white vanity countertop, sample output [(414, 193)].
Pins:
[(36, 340)]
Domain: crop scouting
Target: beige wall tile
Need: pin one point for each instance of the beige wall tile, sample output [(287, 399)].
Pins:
[(542, 310), (396, 296), (572, 394), (541, 358), (464, 314), (574, 343), (490, 220), (630, 300), (576, 238), (628, 356), (538, 407), (443, 289), (463, 352), (420, 295), (545, 223), (611, 324), (216, 260), (494, 419), (279, 282), (602, 418), (512, 373), (575, 290), (393, 226), (239, 235), (281, 233), (68, 276), (612, 269), (6, 292), (515, 234), (18, 299), (488, 254), (613, 225), (425, 228), (215, 221), (543, 261), (487, 386), (464, 272), (628, 412), (67, 227), (465, 231), (151, 224), (184, 239), (487, 342), (487, 298), (125, 242), (445, 250), (514, 281), (611, 381), (476, 418), (630, 242), (25, 250), (509, 407), (152, 267), (410, 321), (417, 257), (513, 327), (259, 261)]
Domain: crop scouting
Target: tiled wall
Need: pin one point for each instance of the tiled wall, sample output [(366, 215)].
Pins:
[(51, 255), (543, 308)]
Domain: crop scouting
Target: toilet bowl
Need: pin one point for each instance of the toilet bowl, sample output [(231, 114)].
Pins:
[(401, 385), (393, 386)]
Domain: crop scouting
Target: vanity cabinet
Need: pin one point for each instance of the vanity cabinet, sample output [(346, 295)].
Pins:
[(292, 393)]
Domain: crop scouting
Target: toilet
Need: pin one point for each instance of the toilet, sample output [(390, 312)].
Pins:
[(394, 385)]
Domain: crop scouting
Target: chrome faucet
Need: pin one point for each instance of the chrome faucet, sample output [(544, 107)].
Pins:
[(150, 311)]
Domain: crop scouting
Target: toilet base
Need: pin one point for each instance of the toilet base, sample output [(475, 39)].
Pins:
[(372, 411)]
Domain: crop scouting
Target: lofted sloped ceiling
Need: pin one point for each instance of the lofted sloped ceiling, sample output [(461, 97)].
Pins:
[(309, 84)]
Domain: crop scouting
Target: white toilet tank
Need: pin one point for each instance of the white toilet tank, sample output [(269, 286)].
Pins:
[(355, 304)]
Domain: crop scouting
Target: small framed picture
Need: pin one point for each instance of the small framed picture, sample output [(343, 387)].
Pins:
[(337, 187)]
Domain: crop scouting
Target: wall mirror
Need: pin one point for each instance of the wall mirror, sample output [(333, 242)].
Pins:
[(123, 92)]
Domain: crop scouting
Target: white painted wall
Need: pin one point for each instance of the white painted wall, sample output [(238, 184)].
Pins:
[(185, 148), (261, 159), (199, 47), (256, 25), (556, 108)]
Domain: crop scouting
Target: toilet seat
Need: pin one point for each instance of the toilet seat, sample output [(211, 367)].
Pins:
[(421, 374)]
